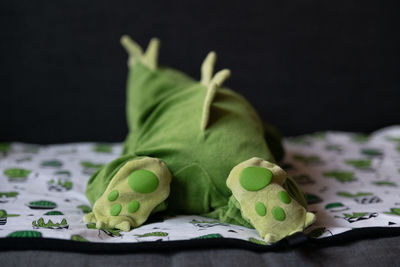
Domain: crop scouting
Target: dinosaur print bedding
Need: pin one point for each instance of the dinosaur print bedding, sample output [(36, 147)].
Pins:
[(350, 180)]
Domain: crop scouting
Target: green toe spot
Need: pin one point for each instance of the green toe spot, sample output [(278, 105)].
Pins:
[(279, 214), (261, 209), (113, 195), (284, 197), (143, 181), (115, 209), (133, 206), (255, 178)]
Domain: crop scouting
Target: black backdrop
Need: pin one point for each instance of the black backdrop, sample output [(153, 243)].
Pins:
[(305, 65)]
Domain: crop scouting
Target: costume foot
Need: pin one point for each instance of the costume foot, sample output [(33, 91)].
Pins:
[(257, 186), (137, 188)]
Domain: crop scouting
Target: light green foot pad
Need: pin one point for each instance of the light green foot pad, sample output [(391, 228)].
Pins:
[(137, 188), (257, 186)]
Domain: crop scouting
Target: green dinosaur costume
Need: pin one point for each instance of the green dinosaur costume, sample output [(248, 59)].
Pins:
[(194, 148)]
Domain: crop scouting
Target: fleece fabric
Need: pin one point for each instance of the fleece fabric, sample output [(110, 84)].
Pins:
[(165, 122)]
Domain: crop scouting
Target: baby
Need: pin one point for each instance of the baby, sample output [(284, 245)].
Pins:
[(194, 147)]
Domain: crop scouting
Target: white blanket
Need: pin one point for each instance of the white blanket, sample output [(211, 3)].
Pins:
[(352, 181)]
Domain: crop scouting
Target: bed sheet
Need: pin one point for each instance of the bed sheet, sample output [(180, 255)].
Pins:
[(351, 181)]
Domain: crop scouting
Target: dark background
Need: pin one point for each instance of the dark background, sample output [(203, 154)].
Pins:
[(305, 65)]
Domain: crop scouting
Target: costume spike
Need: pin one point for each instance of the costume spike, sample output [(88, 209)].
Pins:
[(215, 83), (207, 68), (212, 89), (151, 55), (131, 47), (221, 76)]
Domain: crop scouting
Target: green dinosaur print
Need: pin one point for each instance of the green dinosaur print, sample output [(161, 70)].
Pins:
[(372, 152), (359, 163), (357, 216), (340, 176), (153, 234), (42, 204), (350, 195), (60, 185), (23, 159), (90, 167), (333, 147), (361, 197), (63, 173), (16, 174), (66, 151), (385, 183), (208, 236), (102, 148), (84, 208), (53, 212), (319, 135), (42, 224), (34, 149), (5, 148), (207, 223), (307, 159), (336, 207), (9, 194), (78, 238), (360, 138), (3, 214), (313, 199), (393, 211), (317, 232), (194, 221), (108, 231), (25, 234), (51, 163)]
